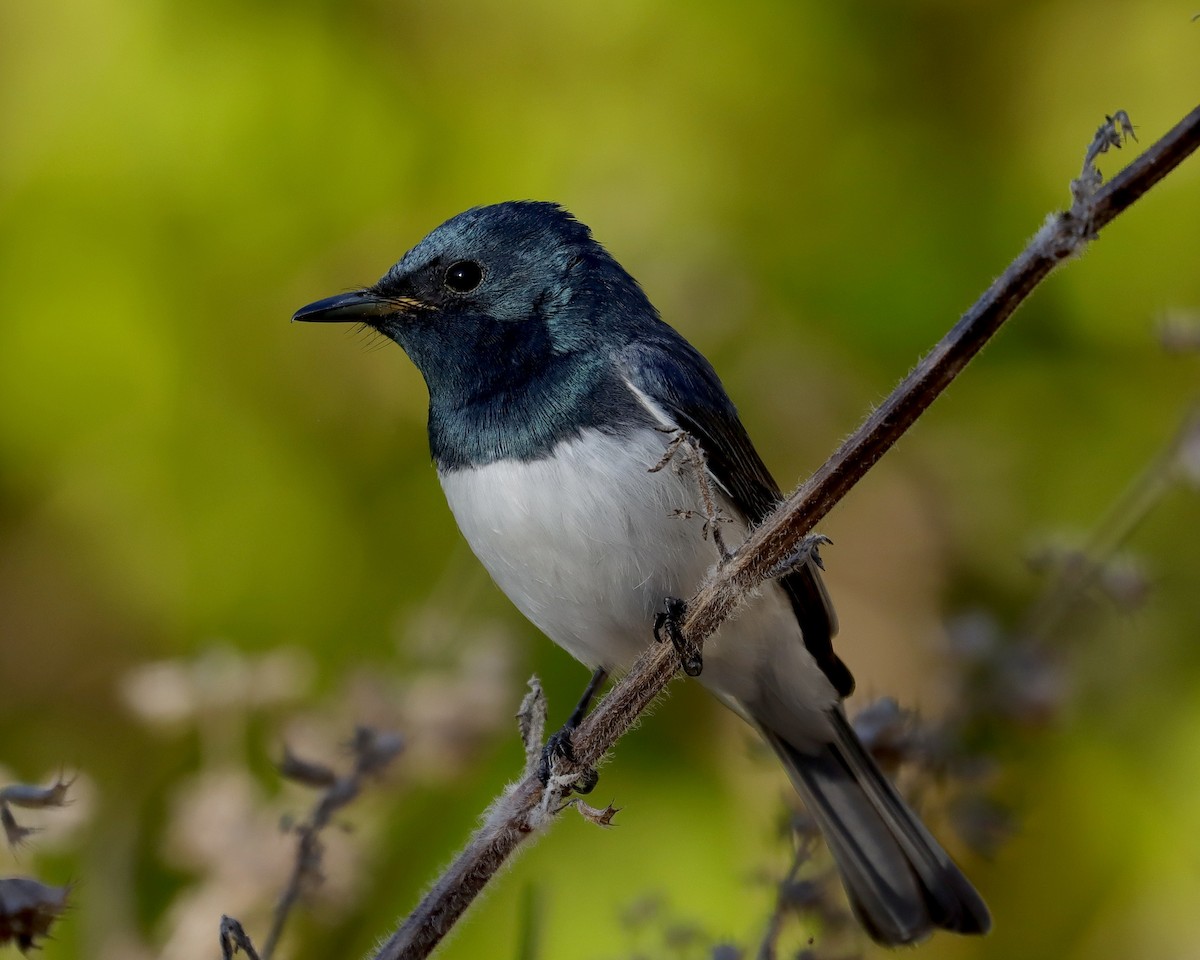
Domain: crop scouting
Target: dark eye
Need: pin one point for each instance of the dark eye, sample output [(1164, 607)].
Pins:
[(464, 276)]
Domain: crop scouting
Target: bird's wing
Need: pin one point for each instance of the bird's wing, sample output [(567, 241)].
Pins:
[(680, 389)]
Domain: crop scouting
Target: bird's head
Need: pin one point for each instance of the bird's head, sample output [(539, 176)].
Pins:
[(497, 291)]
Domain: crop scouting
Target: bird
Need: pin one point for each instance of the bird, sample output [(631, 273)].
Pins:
[(559, 400)]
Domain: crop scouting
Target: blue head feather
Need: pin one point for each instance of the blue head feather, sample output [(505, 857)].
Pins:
[(525, 359)]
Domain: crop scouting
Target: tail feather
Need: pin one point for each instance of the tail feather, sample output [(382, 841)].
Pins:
[(900, 882)]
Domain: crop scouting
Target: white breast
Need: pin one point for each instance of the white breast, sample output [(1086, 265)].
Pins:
[(584, 542), (588, 543)]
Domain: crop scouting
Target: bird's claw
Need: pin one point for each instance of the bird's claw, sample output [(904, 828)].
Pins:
[(559, 746), (587, 781), (670, 623)]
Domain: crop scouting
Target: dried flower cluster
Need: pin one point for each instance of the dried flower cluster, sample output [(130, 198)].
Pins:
[(28, 907)]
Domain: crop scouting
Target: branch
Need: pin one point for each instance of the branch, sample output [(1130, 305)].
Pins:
[(523, 809), (1082, 569), (373, 751)]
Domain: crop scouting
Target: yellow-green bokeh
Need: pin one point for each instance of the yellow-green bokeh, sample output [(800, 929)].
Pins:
[(810, 191)]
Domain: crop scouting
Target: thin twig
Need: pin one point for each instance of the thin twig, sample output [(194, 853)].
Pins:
[(372, 751), (1080, 572), (770, 940), (235, 940), (515, 816), (697, 463)]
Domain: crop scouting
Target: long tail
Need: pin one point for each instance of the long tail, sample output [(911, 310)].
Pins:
[(900, 882)]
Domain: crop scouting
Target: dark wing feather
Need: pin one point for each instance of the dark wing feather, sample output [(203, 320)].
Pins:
[(677, 379)]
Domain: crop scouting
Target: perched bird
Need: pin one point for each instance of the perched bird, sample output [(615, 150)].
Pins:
[(555, 393)]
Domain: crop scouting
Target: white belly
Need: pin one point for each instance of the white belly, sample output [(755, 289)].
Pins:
[(587, 544)]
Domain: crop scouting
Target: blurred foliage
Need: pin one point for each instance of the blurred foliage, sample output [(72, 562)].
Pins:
[(218, 530)]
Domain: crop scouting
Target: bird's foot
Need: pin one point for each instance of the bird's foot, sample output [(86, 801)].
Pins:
[(668, 625), (807, 551), (559, 746)]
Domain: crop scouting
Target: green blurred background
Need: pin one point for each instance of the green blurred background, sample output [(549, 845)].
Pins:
[(219, 531)]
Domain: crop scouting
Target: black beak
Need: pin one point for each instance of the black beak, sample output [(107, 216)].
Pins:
[(361, 306)]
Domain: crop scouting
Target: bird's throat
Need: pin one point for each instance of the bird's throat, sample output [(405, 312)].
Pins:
[(525, 418)]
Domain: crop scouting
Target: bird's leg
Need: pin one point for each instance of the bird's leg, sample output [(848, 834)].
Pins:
[(558, 744), (585, 701), (807, 551), (670, 623)]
